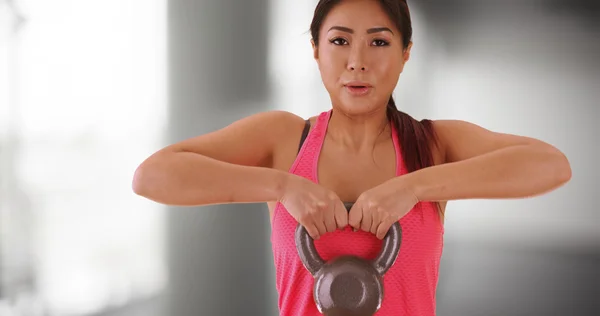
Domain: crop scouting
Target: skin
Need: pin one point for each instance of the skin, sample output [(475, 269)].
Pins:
[(247, 161)]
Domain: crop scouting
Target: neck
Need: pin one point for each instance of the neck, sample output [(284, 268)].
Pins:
[(359, 132)]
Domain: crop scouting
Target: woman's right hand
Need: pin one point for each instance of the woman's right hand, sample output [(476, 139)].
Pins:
[(316, 208)]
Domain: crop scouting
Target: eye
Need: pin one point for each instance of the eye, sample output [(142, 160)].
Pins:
[(379, 42), (338, 41)]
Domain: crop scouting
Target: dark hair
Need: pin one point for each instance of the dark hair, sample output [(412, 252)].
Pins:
[(416, 137)]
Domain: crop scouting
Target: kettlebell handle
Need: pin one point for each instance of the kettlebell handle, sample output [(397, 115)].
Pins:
[(313, 262)]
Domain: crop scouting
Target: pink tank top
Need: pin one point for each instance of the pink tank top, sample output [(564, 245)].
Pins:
[(410, 284)]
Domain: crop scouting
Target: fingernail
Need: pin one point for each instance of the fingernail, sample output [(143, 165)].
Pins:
[(354, 229)]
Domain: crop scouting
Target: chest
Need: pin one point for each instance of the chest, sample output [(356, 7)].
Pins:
[(348, 175)]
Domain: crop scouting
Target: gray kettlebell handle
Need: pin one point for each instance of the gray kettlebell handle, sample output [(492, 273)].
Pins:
[(313, 262)]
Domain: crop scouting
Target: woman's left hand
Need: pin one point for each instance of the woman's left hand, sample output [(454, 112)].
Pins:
[(378, 208)]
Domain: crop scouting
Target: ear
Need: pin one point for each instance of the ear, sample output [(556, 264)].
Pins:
[(315, 49), (406, 53)]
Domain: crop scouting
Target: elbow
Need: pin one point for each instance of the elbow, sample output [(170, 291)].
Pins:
[(561, 167), (564, 169), (146, 177), (141, 184), (556, 166)]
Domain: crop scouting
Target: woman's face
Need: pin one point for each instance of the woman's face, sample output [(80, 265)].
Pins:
[(360, 56)]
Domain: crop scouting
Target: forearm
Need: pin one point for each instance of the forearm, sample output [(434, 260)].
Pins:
[(187, 179), (513, 172)]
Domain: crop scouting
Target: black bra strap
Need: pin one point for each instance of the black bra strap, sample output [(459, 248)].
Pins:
[(304, 134)]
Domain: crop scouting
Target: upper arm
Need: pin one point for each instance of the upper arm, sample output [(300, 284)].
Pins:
[(250, 141), (462, 140)]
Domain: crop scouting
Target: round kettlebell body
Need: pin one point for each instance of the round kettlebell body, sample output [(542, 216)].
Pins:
[(348, 285)]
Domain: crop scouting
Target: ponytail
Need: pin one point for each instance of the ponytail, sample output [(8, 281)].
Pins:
[(416, 138)]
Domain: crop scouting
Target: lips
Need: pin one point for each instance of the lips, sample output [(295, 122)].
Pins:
[(357, 84), (357, 88)]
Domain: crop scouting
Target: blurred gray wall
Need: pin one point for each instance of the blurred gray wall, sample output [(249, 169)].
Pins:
[(219, 256), (529, 68)]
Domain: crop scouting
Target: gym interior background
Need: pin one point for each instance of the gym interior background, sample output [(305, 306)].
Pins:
[(90, 88)]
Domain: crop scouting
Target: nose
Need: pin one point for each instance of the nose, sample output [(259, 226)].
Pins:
[(352, 68), (357, 60)]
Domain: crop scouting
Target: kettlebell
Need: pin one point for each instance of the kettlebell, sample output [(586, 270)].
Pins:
[(348, 285)]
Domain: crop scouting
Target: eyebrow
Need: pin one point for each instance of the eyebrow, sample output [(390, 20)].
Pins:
[(369, 31)]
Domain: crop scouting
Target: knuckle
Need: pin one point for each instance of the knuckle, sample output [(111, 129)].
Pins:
[(385, 215), (331, 196), (321, 205), (373, 205), (366, 198), (315, 208), (306, 217)]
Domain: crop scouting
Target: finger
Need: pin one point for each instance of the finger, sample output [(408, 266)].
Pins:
[(341, 215), (375, 222), (330, 223), (367, 219), (320, 224), (355, 216), (384, 227), (318, 217), (312, 231)]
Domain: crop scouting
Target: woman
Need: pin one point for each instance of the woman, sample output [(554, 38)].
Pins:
[(363, 150)]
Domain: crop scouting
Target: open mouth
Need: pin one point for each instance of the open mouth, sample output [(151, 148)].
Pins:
[(357, 90)]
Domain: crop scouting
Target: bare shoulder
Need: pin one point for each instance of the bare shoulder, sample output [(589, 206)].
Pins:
[(270, 124), (252, 140), (460, 140), (288, 142), (445, 126)]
